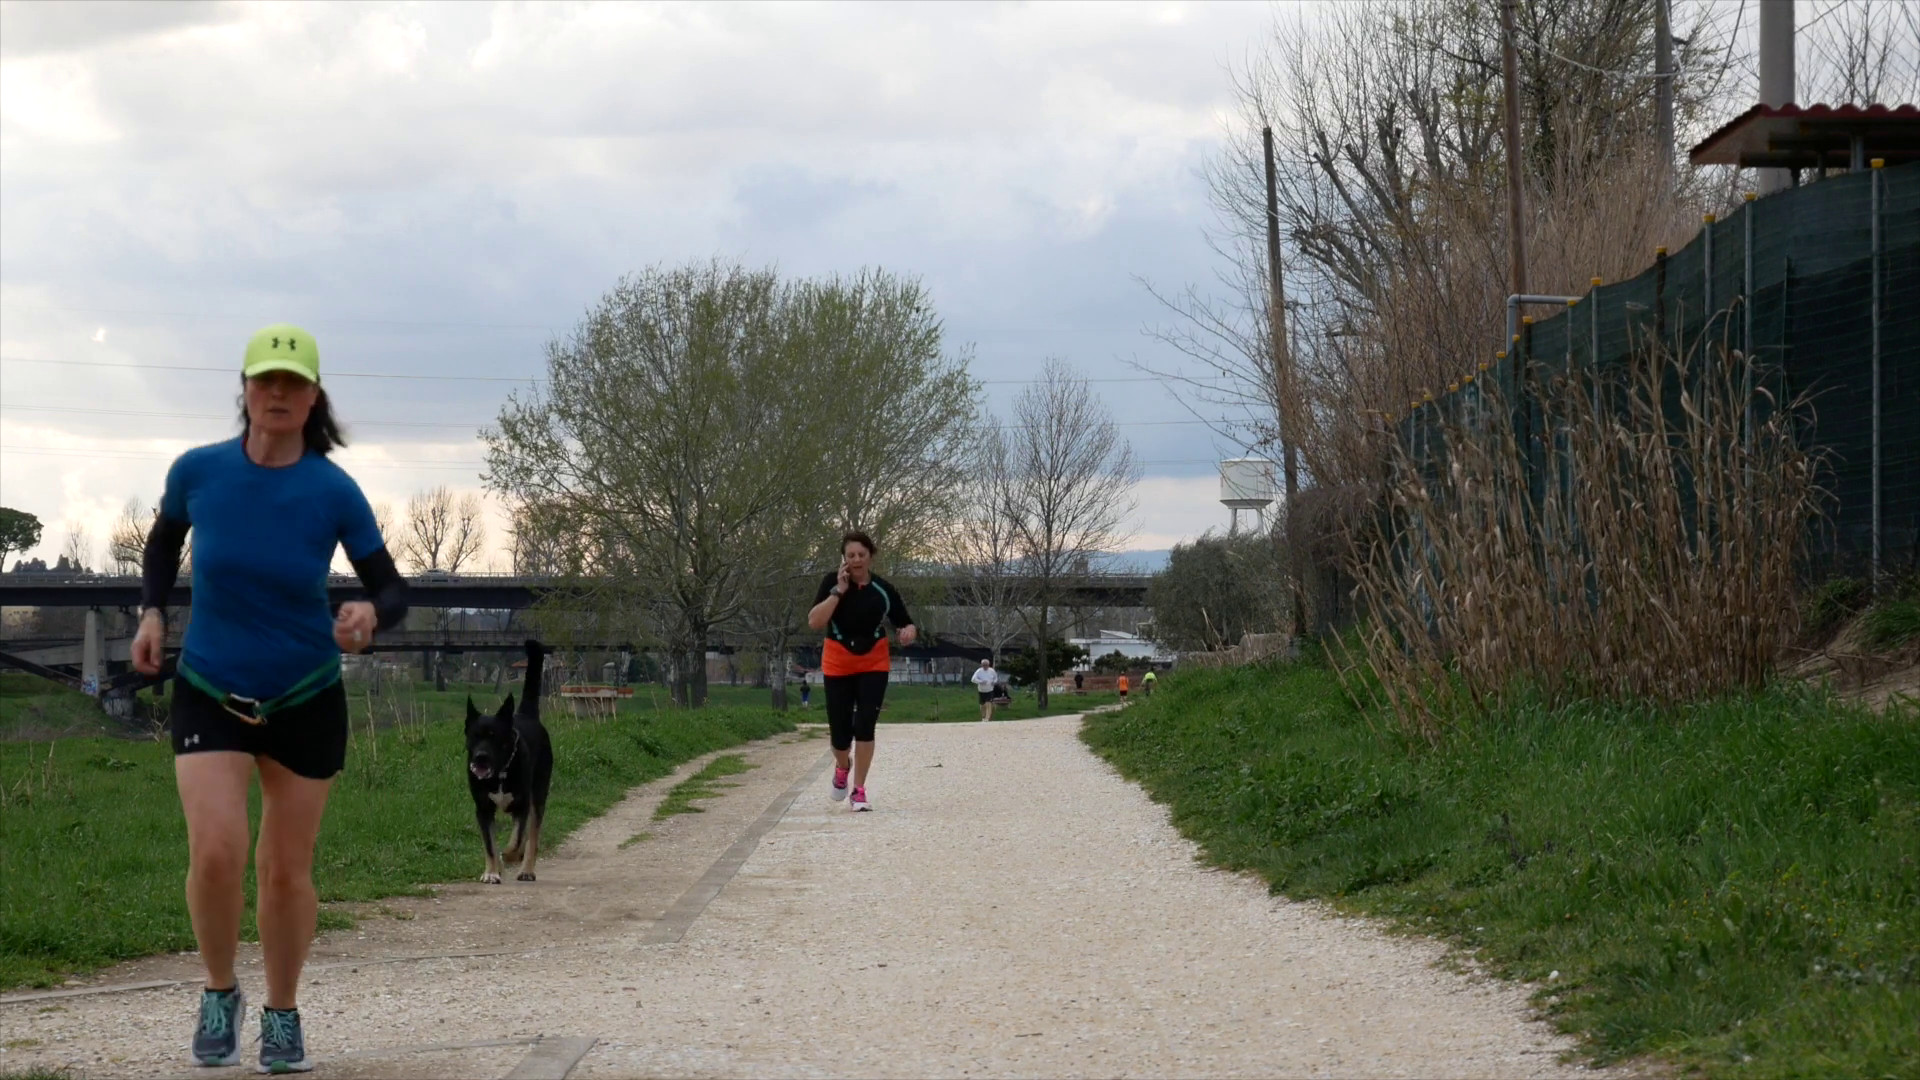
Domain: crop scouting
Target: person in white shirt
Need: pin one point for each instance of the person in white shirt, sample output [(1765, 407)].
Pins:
[(987, 681)]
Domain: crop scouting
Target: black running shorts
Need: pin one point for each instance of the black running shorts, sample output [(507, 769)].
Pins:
[(853, 706), (310, 739)]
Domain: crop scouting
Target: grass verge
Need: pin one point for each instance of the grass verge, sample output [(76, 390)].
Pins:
[(1732, 885), (704, 784), (93, 847)]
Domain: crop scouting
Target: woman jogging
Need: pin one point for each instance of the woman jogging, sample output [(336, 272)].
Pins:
[(258, 686), (850, 606), (987, 681)]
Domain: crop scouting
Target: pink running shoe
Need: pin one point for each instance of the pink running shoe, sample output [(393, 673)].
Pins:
[(859, 800), (839, 784)]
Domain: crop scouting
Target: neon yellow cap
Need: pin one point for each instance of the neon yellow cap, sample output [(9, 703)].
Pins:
[(282, 347)]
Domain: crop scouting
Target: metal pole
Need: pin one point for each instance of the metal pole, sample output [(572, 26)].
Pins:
[(1706, 251), (1283, 380), (1879, 274), (1746, 320), (1593, 348), (1516, 234), (1706, 314), (1776, 75), (1663, 85), (1513, 308)]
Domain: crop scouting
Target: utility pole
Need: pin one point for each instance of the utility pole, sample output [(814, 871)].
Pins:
[(1776, 75), (1283, 381), (1516, 235), (1663, 84)]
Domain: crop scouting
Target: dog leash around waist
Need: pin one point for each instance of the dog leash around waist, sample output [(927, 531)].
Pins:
[(256, 711)]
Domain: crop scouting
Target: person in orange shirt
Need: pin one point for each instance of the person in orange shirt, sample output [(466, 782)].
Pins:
[(1123, 686), (851, 606)]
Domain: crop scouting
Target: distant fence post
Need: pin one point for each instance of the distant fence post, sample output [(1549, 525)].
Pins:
[(1879, 271), (1746, 312)]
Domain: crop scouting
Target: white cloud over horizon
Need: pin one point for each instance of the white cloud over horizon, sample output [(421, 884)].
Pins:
[(438, 189)]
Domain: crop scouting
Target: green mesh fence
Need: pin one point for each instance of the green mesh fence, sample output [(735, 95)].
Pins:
[(1790, 280)]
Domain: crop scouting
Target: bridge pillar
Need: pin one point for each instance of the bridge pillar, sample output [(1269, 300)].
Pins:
[(93, 653)]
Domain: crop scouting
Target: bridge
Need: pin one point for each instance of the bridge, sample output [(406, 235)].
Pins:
[(495, 592), (85, 663)]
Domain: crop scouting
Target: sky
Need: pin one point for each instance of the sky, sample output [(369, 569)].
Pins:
[(436, 190)]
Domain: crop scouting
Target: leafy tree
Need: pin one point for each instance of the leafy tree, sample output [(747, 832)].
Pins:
[(1024, 666), (705, 436), (19, 532), (1113, 663), (1216, 589), (879, 419)]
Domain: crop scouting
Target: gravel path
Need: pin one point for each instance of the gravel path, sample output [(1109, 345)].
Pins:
[(1011, 908)]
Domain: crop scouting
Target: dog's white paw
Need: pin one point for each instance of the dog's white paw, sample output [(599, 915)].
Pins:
[(489, 878), (526, 875)]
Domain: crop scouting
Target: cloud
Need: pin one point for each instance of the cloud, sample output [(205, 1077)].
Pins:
[(439, 189), (35, 29)]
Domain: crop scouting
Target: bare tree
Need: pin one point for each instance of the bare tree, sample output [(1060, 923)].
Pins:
[(443, 531), (981, 552), (1391, 178), (383, 520), (1070, 481), (1863, 52), (127, 543), (78, 550)]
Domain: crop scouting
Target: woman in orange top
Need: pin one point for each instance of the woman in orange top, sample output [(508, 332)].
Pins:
[(1123, 685), (851, 605)]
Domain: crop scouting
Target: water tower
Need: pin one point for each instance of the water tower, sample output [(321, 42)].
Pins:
[(1246, 484)]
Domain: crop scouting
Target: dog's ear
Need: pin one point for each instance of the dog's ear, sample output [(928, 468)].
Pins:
[(473, 714), (506, 709)]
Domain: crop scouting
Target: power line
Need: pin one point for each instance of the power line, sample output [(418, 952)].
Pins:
[(235, 371), (422, 424), (122, 453), (517, 379), (213, 416)]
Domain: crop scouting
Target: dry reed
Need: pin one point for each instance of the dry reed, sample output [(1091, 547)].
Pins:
[(1645, 549)]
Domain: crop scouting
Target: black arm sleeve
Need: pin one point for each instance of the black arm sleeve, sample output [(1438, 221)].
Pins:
[(385, 587), (160, 561), (900, 616)]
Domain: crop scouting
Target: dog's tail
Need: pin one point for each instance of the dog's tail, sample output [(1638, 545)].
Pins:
[(536, 663)]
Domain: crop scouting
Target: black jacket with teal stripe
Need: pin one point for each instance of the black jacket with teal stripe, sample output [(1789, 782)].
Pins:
[(857, 618)]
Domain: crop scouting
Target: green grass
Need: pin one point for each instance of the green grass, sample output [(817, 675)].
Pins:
[(93, 847), (704, 784), (1891, 623), (34, 708), (1734, 885)]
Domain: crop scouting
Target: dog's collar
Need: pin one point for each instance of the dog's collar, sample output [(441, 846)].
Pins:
[(514, 754)]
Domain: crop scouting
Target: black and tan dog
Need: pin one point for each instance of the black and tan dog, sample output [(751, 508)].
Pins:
[(510, 767)]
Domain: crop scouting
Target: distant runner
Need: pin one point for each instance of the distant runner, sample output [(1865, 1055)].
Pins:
[(987, 681), (1123, 687)]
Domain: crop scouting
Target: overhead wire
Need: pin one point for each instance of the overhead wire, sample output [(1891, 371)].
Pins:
[(505, 378), (87, 410)]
